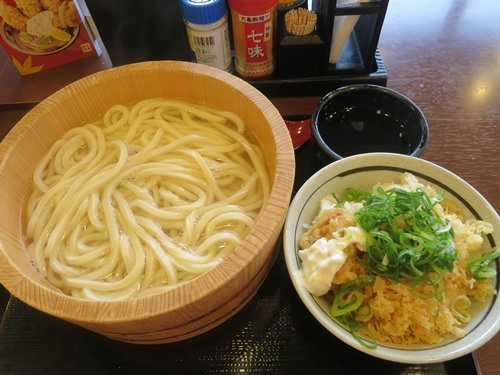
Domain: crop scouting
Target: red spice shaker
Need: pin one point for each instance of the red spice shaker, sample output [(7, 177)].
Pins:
[(254, 36)]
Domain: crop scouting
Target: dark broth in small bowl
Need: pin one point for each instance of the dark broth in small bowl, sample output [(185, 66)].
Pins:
[(359, 119)]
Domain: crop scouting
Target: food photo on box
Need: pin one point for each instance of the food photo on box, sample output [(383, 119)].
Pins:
[(39, 35)]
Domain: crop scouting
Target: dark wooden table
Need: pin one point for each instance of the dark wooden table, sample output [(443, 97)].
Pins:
[(444, 55)]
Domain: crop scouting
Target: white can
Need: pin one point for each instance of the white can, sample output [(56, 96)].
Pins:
[(208, 32)]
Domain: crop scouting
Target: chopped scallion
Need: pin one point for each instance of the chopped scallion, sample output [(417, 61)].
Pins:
[(480, 267), (408, 239)]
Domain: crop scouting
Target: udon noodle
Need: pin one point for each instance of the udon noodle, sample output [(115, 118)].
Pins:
[(148, 197)]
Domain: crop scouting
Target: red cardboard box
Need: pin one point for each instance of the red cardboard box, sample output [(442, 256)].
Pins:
[(41, 34)]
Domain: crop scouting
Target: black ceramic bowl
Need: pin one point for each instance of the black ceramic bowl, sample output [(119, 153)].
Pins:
[(358, 119)]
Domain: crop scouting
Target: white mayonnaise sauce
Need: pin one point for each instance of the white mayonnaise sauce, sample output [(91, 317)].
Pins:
[(322, 260)]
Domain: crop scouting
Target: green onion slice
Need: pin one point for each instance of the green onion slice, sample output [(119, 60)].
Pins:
[(346, 302), (358, 283), (480, 267)]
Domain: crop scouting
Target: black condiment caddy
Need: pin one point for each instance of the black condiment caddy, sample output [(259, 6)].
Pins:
[(154, 30), (359, 62), (359, 53)]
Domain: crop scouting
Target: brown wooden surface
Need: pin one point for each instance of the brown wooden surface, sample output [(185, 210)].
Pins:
[(444, 55), (31, 89)]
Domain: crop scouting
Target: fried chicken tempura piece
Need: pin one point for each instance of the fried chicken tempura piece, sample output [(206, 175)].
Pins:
[(29, 7), (52, 5), (326, 223), (66, 16), (13, 16)]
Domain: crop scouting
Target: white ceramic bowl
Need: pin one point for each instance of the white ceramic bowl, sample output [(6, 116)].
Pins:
[(363, 171)]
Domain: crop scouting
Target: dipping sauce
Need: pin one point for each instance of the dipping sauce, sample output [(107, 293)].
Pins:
[(359, 119), (355, 130)]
